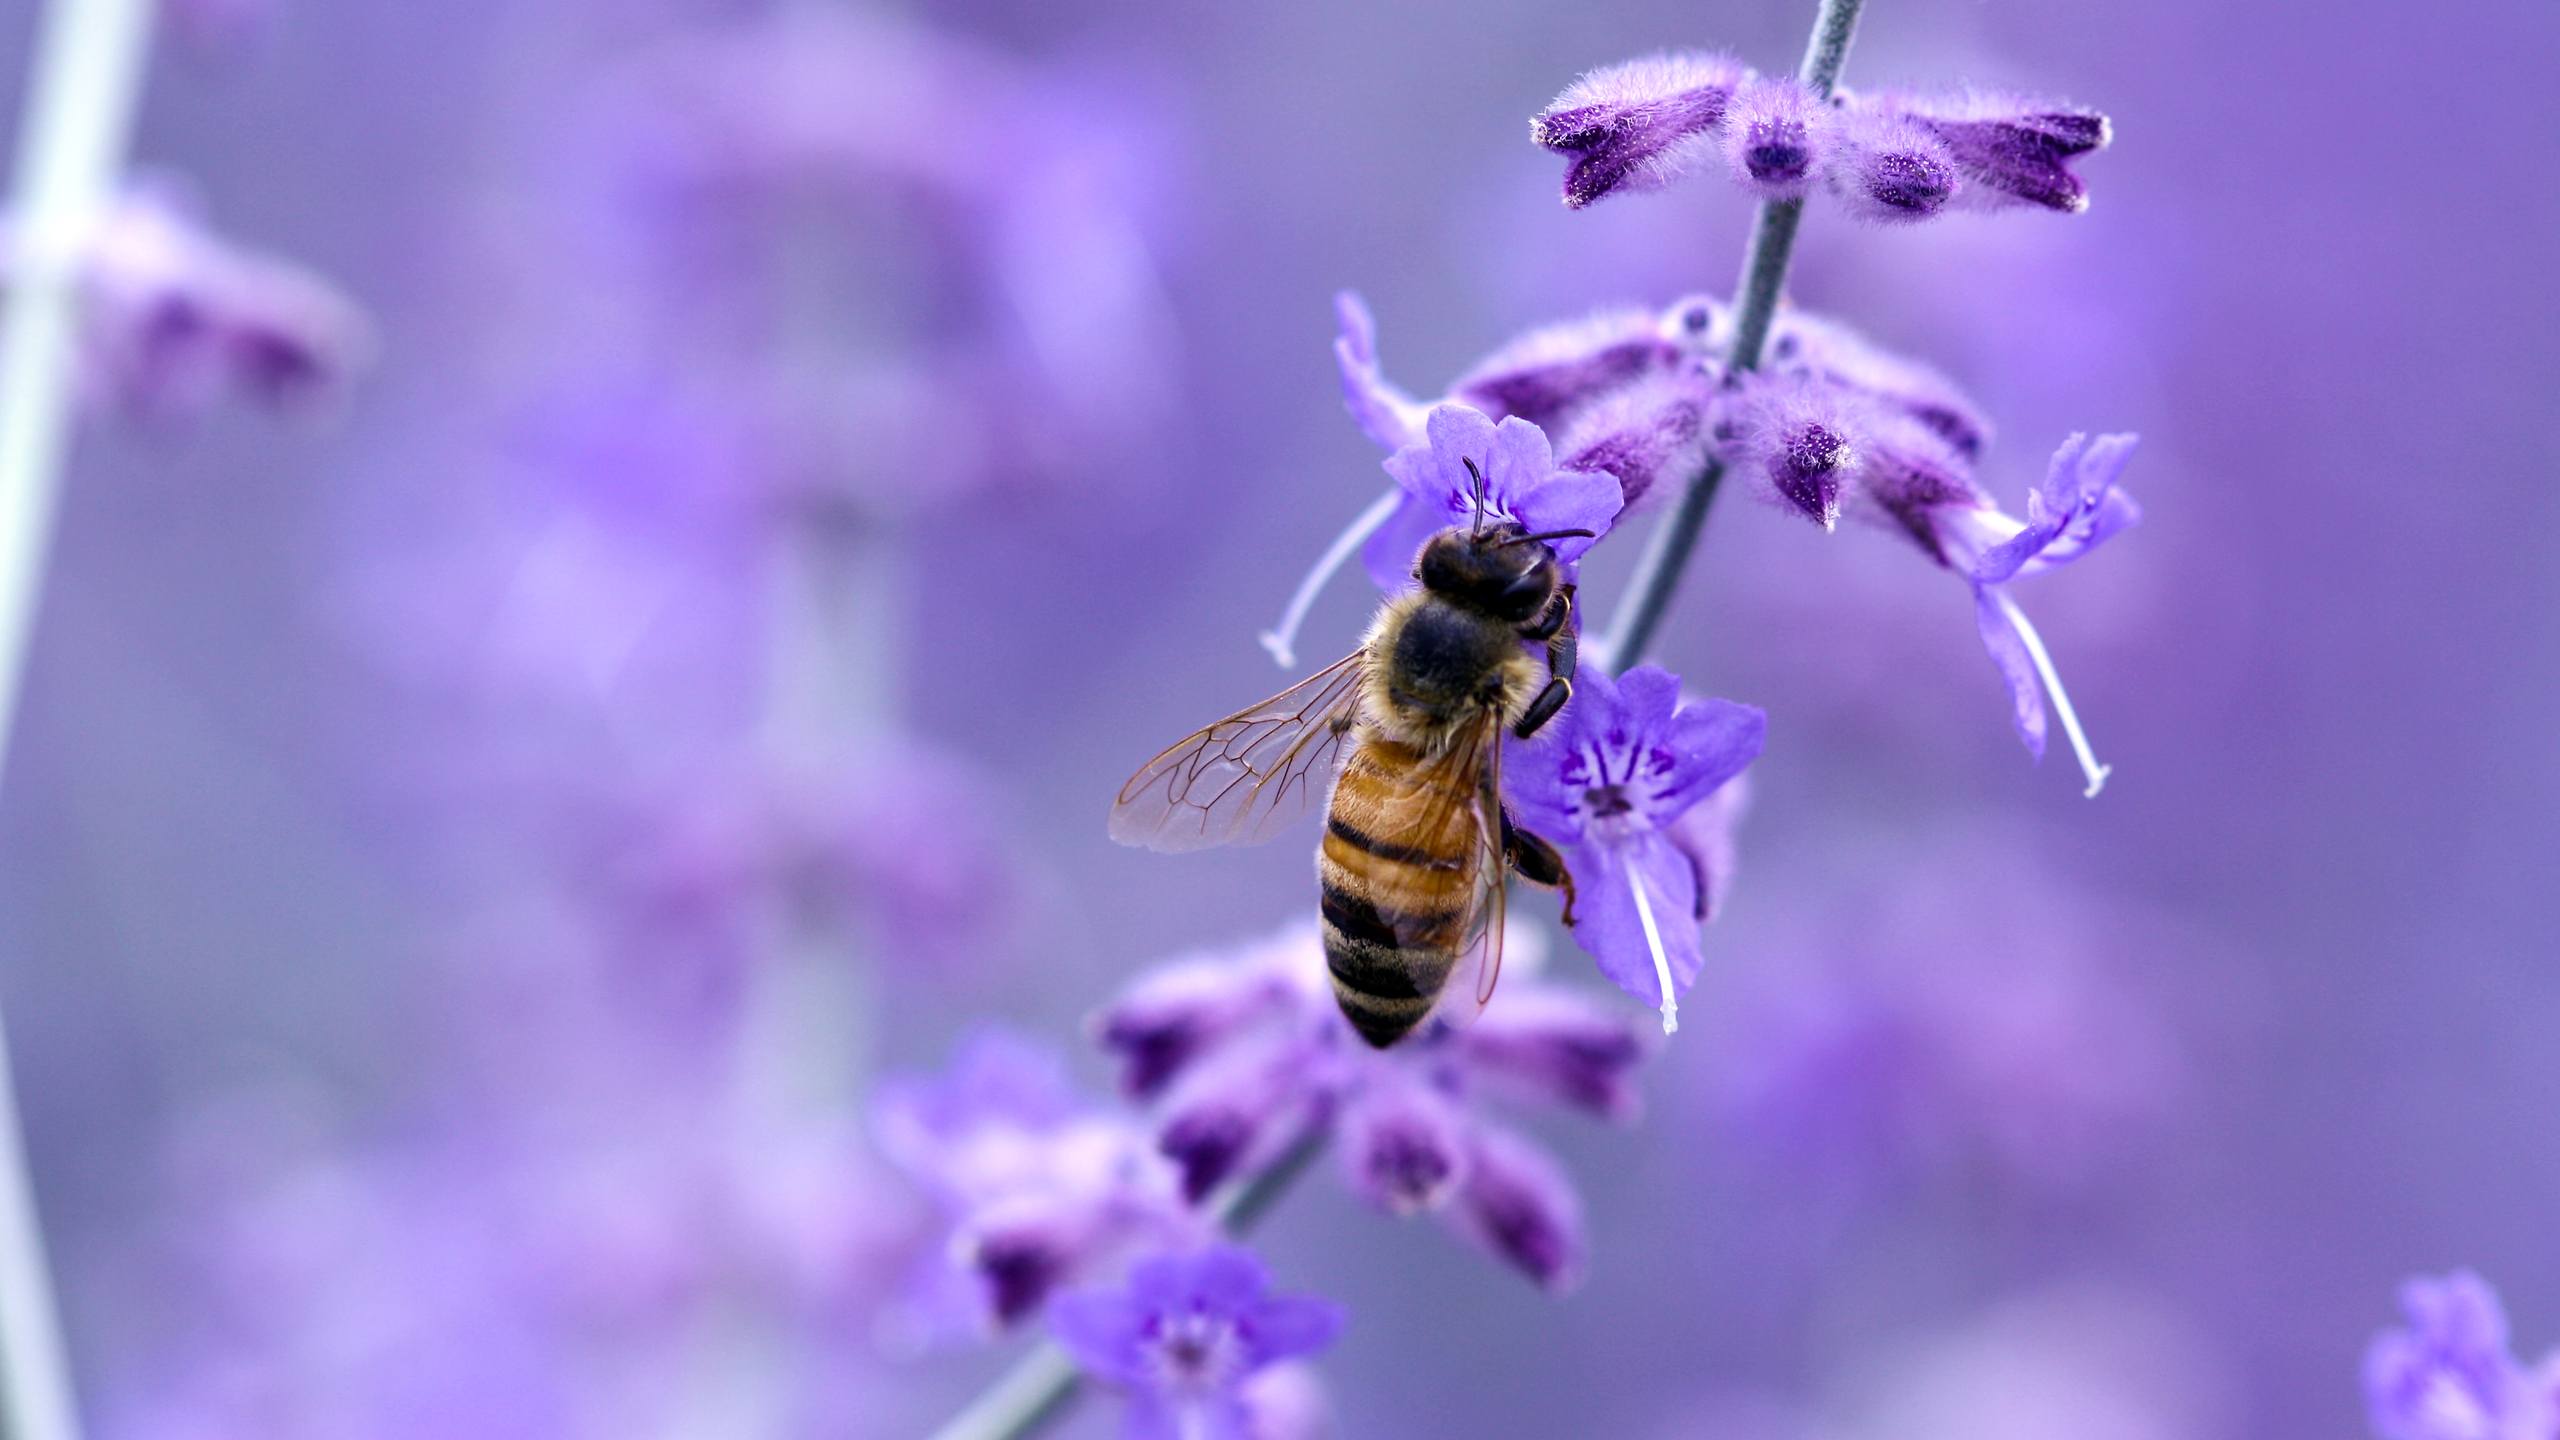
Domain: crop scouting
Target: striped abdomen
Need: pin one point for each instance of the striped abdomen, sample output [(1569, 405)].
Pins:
[(1399, 873)]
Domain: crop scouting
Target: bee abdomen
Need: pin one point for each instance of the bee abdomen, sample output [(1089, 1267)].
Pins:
[(1388, 963)]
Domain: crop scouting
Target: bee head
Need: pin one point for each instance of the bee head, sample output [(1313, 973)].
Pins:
[(1502, 570)]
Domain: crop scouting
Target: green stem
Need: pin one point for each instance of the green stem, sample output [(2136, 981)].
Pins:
[(1764, 280), (79, 117), (1043, 1383)]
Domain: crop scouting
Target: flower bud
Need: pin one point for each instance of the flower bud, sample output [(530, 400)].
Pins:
[(1886, 167), (1638, 125), (1519, 1205), (1545, 374), (1403, 1143), (1772, 134), (1652, 435), (2013, 150)]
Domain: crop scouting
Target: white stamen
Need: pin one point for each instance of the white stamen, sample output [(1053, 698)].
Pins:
[(2089, 766), (1653, 942), (1282, 640)]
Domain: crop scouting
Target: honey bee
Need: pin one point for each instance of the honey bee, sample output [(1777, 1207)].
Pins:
[(1408, 730)]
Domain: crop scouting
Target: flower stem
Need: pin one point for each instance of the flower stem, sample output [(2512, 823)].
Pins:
[(1764, 278), (1039, 1386), (79, 116)]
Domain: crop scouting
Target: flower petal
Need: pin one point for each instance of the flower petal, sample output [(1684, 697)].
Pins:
[(1520, 1206), (2008, 651), (1286, 1326), (1383, 412), (1609, 927)]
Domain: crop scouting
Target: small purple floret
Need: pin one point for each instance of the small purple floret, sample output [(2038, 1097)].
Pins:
[(1186, 1334), (1637, 125)]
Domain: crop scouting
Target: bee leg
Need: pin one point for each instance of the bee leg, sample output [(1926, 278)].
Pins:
[(1537, 862), (1544, 708)]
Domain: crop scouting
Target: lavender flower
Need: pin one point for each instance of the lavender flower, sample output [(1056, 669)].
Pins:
[(1887, 167), (2011, 149), (1036, 1187), (1614, 773), (2452, 1373), (1650, 435), (1918, 486), (1802, 440), (1646, 123), (1521, 485), (176, 315), (1773, 137), (1186, 1335), (1638, 125), (1266, 1059)]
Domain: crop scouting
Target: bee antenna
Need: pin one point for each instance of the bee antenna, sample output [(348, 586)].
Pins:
[(1475, 493), (1548, 535)]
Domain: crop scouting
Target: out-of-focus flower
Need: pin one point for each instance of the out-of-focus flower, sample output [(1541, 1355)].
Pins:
[(1469, 470), (1607, 783), (1894, 1036), (1243, 1065), (1640, 124), (175, 316), (1918, 486), (1037, 1188), (2452, 1372), (1024, 205), (1186, 1335)]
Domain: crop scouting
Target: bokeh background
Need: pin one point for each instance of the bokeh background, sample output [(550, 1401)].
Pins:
[(390, 848)]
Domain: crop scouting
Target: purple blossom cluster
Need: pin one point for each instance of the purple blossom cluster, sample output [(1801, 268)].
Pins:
[(2451, 1372), (1832, 424), (1887, 156), (1241, 1056)]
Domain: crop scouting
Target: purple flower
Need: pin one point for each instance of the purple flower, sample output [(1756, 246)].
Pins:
[(1919, 487), (1801, 440), (1520, 485), (1813, 347), (175, 315), (1886, 167), (1773, 136), (2012, 149), (1638, 125), (1520, 1206), (1409, 1127), (1036, 1188), (1607, 782), (2452, 1374), (1186, 1335), (1384, 413)]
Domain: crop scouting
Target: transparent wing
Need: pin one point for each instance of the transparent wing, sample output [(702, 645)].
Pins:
[(1239, 781), (1493, 905)]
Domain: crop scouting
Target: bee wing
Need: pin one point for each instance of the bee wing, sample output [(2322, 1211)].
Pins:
[(1242, 779), (1493, 906)]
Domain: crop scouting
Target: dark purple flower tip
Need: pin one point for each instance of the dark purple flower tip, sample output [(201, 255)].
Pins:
[(1651, 436), (1887, 167), (1403, 1143), (1546, 374), (1176, 1016), (1520, 1206), (2013, 150), (1803, 440), (1773, 136), (1550, 1043), (1020, 1264), (1228, 1116), (1186, 1334), (1638, 125)]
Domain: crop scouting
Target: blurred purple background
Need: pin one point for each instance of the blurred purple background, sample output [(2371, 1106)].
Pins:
[(394, 778)]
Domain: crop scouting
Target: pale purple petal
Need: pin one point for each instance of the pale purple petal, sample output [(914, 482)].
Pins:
[(1389, 554), (1608, 925), (1715, 741), (1103, 1331), (1545, 375), (1284, 1327), (2008, 651), (1652, 435), (2013, 149), (1384, 413), (1549, 1043)]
